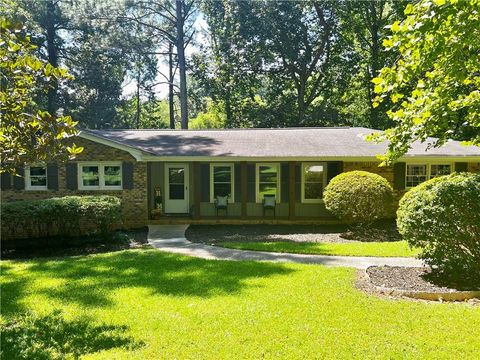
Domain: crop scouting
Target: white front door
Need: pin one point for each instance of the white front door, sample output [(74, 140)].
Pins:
[(176, 183)]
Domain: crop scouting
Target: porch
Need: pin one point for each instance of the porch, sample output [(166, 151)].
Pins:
[(186, 192)]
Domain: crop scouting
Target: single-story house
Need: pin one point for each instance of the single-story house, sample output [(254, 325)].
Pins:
[(178, 174)]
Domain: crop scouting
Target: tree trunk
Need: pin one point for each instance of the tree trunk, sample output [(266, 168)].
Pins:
[(137, 115), (374, 63), (52, 57), (171, 109), (181, 65)]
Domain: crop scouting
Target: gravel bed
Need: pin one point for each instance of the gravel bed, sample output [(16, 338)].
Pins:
[(412, 279), (211, 234)]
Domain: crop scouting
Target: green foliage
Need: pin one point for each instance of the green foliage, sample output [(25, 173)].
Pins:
[(66, 216), (30, 336), (442, 216), (212, 118), (153, 114), (359, 197), (434, 85), (27, 133)]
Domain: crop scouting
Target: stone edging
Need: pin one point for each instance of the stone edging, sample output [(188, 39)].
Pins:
[(424, 295)]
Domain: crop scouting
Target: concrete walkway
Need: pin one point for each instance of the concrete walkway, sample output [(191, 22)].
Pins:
[(171, 238)]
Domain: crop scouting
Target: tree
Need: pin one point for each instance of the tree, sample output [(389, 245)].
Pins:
[(434, 85), (172, 24), (28, 134), (364, 26)]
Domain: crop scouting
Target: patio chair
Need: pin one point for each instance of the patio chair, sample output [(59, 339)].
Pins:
[(269, 203), (221, 203)]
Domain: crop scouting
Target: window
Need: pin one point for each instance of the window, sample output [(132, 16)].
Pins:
[(418, 173), (221, 183), (100, 176), (439, 170), (36, 178), (268, 181), (313, 181)]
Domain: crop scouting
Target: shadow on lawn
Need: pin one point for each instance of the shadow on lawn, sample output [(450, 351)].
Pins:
[(89, 281), (29, 336)]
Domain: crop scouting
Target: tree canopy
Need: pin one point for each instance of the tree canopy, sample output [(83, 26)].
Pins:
[(27, 132), (434, 85)]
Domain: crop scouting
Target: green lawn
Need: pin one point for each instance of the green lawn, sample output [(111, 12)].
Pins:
[(395, 248), (145, 304)]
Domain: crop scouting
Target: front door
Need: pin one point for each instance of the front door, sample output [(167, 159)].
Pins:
[(176, 182)]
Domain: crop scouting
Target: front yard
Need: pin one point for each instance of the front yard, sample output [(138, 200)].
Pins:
[(387, 249), (145, 304), (381, 240)]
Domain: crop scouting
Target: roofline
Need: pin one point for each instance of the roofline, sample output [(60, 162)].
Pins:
[(410, 158), (136, 153), (140, 155), (244, 129)]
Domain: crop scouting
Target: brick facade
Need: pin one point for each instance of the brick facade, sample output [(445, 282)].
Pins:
[(474, 167), (134, 201)]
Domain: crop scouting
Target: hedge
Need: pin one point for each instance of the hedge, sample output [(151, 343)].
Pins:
[(65, 216), (359, 197), (442, 216)]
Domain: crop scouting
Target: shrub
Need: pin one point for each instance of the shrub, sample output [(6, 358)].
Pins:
[(359, 197), (442, 216), (66, 216)]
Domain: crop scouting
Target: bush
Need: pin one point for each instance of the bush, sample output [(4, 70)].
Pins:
[(66, 216), (359, 197), (442, 216)]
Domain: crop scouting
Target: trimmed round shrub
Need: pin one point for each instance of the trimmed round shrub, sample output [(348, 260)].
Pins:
[(442, 216), (359, 197)]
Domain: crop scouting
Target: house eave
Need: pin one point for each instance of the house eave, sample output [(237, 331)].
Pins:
[(137, 154)]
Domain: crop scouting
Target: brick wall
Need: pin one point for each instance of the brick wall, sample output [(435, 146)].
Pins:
[(134, 201), (474, 167)]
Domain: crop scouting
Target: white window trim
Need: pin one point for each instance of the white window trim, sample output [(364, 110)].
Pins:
[(231, 198), (28, 183), (429, 171), (101, 175), (257, 182), (302, 176)]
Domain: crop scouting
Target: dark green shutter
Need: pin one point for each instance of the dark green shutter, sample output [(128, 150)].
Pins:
[(19, 180), (334, 168), (251, 183), (284, 175), (298, 182), (52, 176), (461, 167), (205, 183), (6, 181), (127, 175), (238, 182), (399, 170), (71, 170)]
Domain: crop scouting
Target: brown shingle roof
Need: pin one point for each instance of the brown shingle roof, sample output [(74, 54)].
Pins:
[(268, 143)]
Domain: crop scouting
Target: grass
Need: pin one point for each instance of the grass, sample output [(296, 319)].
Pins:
[(145, 304), (383, 249)]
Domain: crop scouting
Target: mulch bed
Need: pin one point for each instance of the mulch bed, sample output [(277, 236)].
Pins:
[(412, 279), (212, 234), (120, 240), (419, 279)]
